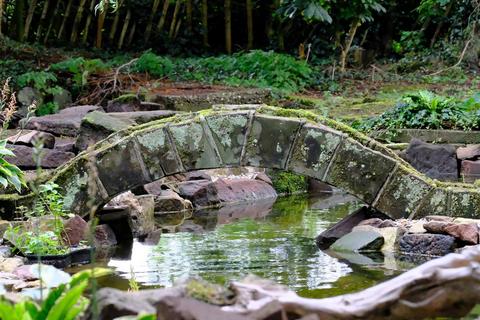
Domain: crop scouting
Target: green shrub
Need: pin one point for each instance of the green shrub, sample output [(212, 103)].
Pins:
[(46, 83), (154, 65), (285, 182), (80, 69), (425, 110)]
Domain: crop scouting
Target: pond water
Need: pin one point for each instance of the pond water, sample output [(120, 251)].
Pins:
[(271, 240)]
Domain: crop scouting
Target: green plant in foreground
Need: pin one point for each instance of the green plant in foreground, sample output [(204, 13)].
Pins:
[(288, 183), (63, 303)]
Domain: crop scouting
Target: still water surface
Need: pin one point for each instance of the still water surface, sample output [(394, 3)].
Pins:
[(271, 240)]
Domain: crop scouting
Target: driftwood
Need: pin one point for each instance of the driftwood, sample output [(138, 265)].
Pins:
[(447, 286)]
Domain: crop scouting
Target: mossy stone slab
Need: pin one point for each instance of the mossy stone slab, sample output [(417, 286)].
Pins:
[(270, 141), (359, 170), (193, 146), (403, 194), (158, 153), (465, 203), (314, 150), (120, 167), (357, 241), (434, 203), (228, 132)]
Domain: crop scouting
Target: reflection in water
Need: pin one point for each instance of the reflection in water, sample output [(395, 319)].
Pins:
[(275, 242)]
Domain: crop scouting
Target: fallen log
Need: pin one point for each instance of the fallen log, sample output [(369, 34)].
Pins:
[(447, 286)]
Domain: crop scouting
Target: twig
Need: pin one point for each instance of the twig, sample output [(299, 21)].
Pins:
[(117, 72), (459, 60)]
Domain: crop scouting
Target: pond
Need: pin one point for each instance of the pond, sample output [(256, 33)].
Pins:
[(271, 240)]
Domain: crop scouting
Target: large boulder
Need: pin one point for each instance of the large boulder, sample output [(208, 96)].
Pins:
[(50, 158), (427, 244), (30, 138), (436, 161), (65, 123), (99, 125), (205, 193)]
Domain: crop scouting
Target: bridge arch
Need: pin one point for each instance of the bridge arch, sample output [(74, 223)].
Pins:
[(267, 137)]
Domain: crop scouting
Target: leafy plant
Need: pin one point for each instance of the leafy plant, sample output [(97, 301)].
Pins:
[(425, 110), (50, 201), (285, 182), (62, 303), (155, 65), (46, 84), (80, 69)]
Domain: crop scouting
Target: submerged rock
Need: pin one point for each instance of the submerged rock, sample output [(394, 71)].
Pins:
[(427, 244), (358, 241)]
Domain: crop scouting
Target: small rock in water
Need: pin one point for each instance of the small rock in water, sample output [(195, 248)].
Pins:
[(359, 241), (427, 244), (104, 236)]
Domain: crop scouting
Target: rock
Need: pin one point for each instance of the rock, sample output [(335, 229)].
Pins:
[(113, 303), (104, 236), (96, 125), (373, 222), (26, 96), (470, 152), (427, 244), (29, 139), (358, 241), (63, 98), (10, 264), (51, 158), (317, 186), (470, 170), (198, 175), (170, 201), (344, 226), (153, 237), (464, 232), (65, 144), (416, 226), (4, 225), (204, 193), (5, 252), (436, 161), (439, 218), (74, 230), (435, 226), (391, 236), (119, 219), (65, 123), (262, 176)]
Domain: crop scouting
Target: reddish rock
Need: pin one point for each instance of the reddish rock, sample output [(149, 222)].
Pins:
[(104, 236), (263, 177), (439, 218), (29, 138), (74, 230), (470, 170), (471, 151), (435, 226), (51, 158), (467, 232), (170, 201)]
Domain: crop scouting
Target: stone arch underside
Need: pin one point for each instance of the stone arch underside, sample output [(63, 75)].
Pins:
[(267, 137)]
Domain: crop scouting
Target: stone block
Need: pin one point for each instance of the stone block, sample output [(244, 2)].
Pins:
[(228, 132), (469, 152), (464, 203), (470, 170), (402, 194), (359, 170), (270, 141), (194, 146), (158, 153), (120, 167), (314, 150), (434, 203)]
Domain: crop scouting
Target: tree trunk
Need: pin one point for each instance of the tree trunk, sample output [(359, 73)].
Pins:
[(76, 22), (205, 22), (124, 29), (249, 9), (189, 15), (148, 30), (228, 26), (18, 13), (440, 24), (100, 24), (177, 29), (65, 18), (46, 5), (113, 29), (163, 17), (178, 5), (1, 17), (348, 43), (132, 33), (52, 21), (28, 21), (88, 22)]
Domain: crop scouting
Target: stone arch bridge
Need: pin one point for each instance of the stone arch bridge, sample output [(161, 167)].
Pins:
[(260, 136)]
